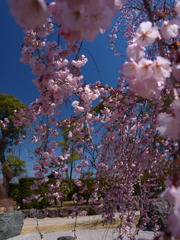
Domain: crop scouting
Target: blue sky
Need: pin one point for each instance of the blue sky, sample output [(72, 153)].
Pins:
[(16, 78)]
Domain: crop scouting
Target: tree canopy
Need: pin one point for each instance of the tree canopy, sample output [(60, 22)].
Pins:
[(9, 135)]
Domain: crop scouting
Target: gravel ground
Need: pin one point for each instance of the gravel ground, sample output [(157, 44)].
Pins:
[(98, 234), (64, 220)]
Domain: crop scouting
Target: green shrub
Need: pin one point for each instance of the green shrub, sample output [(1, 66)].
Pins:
[(14, 191), (25, 191)]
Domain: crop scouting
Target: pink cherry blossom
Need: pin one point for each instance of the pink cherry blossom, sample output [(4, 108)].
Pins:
[(119, 2), (6, 120), (169, 125), (144, 69), (78, 110), (161, 68), (174, 218), (77, 182), (172, 194), (29, 13), (175, 105), (146, 34), (83, 19), (147, 87), (135, 51), (84, 163), (70, 134), (169, 29), (176, 70), (53, 144), (79, 63), (174, 223), (177, 8), (2, 124), (128, 69), (147, 77), (78, 169), (54, 133), (75, 104)]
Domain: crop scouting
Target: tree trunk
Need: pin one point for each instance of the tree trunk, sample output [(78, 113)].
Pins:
[(67, 177), (3, 192), (7, 175), (71, 171), (5, 188)]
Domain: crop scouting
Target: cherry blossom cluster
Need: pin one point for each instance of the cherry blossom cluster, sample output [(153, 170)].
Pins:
[(83, 19), (57, 79), (146, 77), (29, 13), (151, 78), (78, 20), (115, 164), (169, 123), (124, 165), (172, 194)]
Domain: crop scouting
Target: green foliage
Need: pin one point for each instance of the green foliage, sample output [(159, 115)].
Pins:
[(17, 165)]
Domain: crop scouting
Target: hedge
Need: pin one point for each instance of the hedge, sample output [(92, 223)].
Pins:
[(25, 191), (14, 191)]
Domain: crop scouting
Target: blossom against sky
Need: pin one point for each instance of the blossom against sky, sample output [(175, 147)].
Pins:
[(16, 78)]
